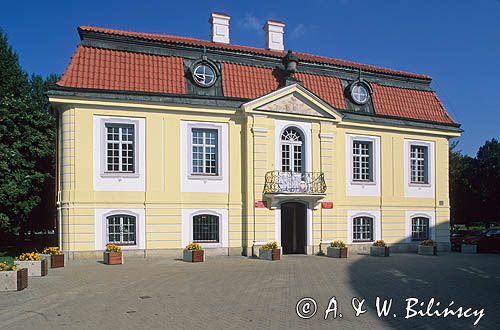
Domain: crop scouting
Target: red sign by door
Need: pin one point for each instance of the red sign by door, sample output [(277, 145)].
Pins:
[(327, 205)]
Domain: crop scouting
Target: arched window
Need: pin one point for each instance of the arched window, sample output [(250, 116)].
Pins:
[(362, 229), (291, 150), (121, 229), (419, 228), (206, 228)]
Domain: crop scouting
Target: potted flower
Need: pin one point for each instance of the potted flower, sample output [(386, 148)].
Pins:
[(113, 255), (193, 253), (379, 249), (53, 256), (12, 278), (36, 266), (427, 248), (468, 246), (337, 249), (270, 251)]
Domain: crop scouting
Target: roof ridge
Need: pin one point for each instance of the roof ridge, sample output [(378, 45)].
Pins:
[(251, 49)]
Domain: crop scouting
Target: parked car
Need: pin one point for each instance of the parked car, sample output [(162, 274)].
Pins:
[(457, 236), (489, 241)]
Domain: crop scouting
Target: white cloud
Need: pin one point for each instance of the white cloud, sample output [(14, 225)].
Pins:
[(251, 22)]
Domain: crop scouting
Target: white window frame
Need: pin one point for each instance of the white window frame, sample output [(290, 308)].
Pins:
[(187, 227), (204, 176), (415, 189), (105, 122), (428, 228), (376, 225), (372, 233), (120, 143), (101, 216), (362, 187), (118, 181), (369, 156), (292, 151), (431, 215), (424, 159), (121, 215)]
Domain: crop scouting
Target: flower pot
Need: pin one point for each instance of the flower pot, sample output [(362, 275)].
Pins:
[(15, 280), (194, 255), (427, 250), (35, 268), (57, 261), (272, 255), (113, 258), (46, 257), (468, 248), (380, 251), (335, 252)]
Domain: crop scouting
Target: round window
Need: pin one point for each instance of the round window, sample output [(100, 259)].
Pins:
[(359, 94), (204, 75)]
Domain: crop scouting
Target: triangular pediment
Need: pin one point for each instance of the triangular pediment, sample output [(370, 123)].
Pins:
[(294, 100), (294, 103)]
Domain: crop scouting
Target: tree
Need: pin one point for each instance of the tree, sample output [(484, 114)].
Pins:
[(488, 179), (26, 141), (475, 185)]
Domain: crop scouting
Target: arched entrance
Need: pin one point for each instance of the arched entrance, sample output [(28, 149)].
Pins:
[(293, 228)]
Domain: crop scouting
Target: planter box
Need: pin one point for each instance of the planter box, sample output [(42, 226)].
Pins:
[(14, 280), (427, 250), (335, 252), (272, 255), (380, 251), (113, 258), (46, 257), (35, 268), (468, 248), (193, 255)]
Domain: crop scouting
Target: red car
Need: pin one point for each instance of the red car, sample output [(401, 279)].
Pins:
[(489, 241), (457, 236)]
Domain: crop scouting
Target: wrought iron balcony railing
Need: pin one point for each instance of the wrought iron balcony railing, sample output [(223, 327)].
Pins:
[(292, 182)]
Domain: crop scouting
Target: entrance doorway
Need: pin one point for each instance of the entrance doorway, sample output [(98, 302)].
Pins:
[(293, 228)]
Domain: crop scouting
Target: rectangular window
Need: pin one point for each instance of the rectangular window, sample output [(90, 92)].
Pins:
[(204, 151), (419, 229), (362, 161), (418, 164), (120, 148), (121, 229), (206, 228), (362, 229)]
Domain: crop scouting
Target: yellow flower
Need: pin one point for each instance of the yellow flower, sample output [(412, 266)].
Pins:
[(51, 250), (29, 256), (113, 248), (270, 245), (193, 247)]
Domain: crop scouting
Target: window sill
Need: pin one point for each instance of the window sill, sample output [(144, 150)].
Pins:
[(419, 185), (363, 183), (205, 177), (361, 242), (120, 175)]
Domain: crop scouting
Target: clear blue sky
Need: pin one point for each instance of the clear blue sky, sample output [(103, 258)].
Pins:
[(457, 42)]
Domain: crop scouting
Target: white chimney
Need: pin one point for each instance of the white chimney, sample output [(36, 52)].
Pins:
[(220, 27), (274, 35)]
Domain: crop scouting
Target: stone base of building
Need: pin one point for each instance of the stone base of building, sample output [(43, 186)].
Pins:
[(164, 253), (395, 248)]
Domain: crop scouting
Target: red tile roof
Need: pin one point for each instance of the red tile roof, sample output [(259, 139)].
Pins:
[(119, 70), (254, 50), (95, 68), (252, 82), (409, 103)]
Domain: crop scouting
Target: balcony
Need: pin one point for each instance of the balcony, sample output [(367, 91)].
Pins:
[(281, 186)]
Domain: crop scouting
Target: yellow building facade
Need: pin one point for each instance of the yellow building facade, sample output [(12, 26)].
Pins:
[(154, 174)]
